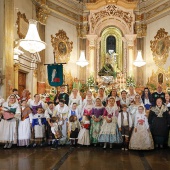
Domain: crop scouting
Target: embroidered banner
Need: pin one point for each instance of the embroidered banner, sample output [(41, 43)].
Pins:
[(55, 74)]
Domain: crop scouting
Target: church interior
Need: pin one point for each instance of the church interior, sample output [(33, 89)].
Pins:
[(98, 31), (99, 43)]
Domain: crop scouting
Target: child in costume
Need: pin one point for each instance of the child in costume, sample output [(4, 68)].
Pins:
[(125, 125), (56, 131), (141, 138), (38, 127), (84, 137), (74, 128)]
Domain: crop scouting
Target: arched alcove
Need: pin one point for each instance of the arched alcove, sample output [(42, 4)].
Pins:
[(115, 35)]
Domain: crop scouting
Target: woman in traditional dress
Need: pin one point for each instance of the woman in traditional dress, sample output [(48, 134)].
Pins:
[(49, 112), (24, 129), (141, 138), (131, 94), (102, 96), (75, 98), (25, 95), (62, 111), (87, 109), (109, 130), (11, 113), (147, 98), (167, 101), (36, 103), (96, 121), (167, 104), (89, 96), (133, 108), (124, 100), (114, 94), (159, 120)]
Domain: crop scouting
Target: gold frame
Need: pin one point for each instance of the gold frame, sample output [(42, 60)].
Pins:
[(111, 31), (62, 54), (160, 47), (21, 20)]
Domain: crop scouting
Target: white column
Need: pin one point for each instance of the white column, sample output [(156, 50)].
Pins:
[(130, 53), (92, 54)]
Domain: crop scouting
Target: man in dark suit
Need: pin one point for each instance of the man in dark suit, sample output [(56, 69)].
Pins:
[(158, 94), (61, 96)]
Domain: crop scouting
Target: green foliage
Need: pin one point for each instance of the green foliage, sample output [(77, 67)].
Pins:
[(83, 88), (152, 86)]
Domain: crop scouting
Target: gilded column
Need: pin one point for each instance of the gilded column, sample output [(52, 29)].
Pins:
[(92, 54), (130, 53), (8, 47), (98, 56), (16, 68)]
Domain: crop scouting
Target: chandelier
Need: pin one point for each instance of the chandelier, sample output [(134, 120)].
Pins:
[(32, 41), (139, 62), (82, 61)]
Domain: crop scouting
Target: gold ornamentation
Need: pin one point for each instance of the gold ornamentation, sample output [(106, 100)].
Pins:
[(68, 79), (141, 30), (42, 13), (114, 11), (82, 30), (16, 66), (22, 23), (161, 76), (111, 1), (62, 47), (35, 72), (160, 47)]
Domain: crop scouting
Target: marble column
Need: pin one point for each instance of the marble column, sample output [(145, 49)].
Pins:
[(91, 55), (130, 38)]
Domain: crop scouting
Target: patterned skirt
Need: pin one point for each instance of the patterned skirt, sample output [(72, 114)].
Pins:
[(142, 139)]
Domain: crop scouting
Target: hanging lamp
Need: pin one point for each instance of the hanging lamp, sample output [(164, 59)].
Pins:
[(82, 60), (32, 41), (139, 62)]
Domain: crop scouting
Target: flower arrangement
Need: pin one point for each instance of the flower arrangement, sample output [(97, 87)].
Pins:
[(130, 82), (90, 81)]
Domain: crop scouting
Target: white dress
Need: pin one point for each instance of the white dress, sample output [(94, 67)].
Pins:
[(133, 108), (142, 139), (84, 136), (38, 122), (8, 128), (24, 129), (77, 100)]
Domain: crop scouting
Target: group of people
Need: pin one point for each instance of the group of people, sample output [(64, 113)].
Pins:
[(138, 122)]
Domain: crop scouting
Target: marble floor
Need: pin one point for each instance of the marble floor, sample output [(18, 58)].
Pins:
[(82, 158)]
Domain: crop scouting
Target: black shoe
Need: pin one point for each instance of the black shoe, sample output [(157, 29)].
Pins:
[(43, 144)]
